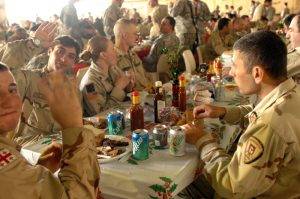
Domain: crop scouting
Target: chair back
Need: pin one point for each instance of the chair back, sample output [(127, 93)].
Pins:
[(81, 72), (163, 69), (189, 60)]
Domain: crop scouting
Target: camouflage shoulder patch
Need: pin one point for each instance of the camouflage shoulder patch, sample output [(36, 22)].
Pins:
[(6, 158), (253, 150)]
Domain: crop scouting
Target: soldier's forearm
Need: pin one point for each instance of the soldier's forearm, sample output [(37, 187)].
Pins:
[(79, 157), (235, 114)]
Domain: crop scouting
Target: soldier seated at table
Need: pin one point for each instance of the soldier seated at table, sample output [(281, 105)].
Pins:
[(167, 39), (104, 84), (19, 179), (38, 122), (293, 36), (18, 53), (236, 32), (127, 60), (266, 161), (216, 44)]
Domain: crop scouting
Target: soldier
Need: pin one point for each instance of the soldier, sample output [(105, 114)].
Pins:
[(126, 36), (216, 44), (18, 53), (38, 62), (157, 13), (167, 39), (185, 29), (104, 85), (293, 35), (266, 162), (68, 17), (270, 13), (201, 15), (111, 16), (261, 10), (39, 122), (19, 179), (236, 33)]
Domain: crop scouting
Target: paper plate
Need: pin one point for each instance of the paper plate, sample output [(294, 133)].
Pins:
[(127, 148)]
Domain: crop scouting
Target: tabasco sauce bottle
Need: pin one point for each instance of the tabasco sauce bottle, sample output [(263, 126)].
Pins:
[(136, 112), (159, 101), (182, 94), (175, 88)]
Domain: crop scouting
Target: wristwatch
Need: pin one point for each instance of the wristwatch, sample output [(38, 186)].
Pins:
[(36, 41)]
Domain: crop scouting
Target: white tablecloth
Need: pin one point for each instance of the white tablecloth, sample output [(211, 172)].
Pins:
[(160, 173)]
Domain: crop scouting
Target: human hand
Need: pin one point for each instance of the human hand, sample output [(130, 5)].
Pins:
[(51, 156), (192, 133), (61, 94), (122, 82), (208, 111), (46, 32)]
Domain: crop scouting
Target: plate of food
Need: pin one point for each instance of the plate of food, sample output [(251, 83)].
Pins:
[(113, 147)]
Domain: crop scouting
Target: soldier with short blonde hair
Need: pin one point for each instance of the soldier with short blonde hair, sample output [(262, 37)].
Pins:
[(126, 38)]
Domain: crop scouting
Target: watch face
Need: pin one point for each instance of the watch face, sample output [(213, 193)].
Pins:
[(36, 41)]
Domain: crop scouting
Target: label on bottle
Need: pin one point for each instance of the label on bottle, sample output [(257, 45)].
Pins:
[(160, 105)]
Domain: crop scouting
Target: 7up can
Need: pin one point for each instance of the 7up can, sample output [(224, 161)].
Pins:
[(116, 123), (140, 142), (176, 141)]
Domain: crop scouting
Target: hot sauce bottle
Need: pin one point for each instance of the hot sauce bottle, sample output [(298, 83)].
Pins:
[(182, 94), (159, 101), (136, 112)]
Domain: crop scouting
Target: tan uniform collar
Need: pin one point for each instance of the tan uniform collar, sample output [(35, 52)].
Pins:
[(271, 98), (122, 53), (4, 140), (297, 49)]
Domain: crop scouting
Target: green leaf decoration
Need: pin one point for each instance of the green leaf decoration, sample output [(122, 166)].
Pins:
[(215, 125), (158, 188), (132, 161), (222, 129), (166, 179), (173, 188), (153, 197)]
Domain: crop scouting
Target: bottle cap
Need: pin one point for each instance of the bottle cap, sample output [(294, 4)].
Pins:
[(135, 93)]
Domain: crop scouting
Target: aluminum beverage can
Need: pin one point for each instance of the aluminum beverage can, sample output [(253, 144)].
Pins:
[(160, 136), (176, 140), (140, 142), (115, 123), (123, 118)]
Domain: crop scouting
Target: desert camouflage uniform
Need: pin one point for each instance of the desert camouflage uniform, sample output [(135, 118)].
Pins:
[(201, 15), (293, 66), (105, 94), (111, 16), (214, 47), (69, 18), (231, 38), (17, 54), (169, 41), (266, 162), (38, 62), (184, 28), (131, 62), (78, 177), (38, 122)]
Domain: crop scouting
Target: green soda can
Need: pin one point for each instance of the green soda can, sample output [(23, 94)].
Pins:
[(140, 142), (115, 120)]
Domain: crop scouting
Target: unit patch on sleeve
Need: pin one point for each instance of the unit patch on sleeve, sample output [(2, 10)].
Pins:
[(6, 158), (253, 150)]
